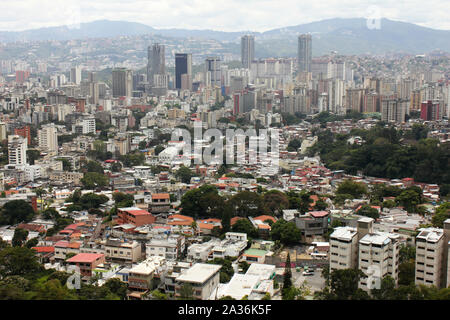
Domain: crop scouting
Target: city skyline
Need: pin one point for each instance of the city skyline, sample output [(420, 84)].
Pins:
[(250, 16)]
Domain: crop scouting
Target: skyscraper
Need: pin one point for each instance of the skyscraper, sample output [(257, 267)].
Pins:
[(156, 61), (183, 66), (304, 52), (122, 82), (247, 50), (213, 68), (75, 75)]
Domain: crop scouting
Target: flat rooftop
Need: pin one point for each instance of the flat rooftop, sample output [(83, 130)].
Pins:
[(379, 238), (199, 272), (344, 233), (430, 234)]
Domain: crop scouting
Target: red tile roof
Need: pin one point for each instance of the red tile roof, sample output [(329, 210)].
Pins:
[(67, 244), (85, 257), (44, 249), (160, 196), (265, 217), (318, 214)]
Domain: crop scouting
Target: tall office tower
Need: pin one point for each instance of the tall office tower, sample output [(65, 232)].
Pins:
[(247, 50), (156, 62), (304, 52), (48, 138), (213, 68), (183, 66), (93, 88), (75, 75), (393, 109), (17, 150), (122, 82)]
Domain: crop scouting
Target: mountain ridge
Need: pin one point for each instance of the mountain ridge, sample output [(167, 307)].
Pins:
[(346, 35)]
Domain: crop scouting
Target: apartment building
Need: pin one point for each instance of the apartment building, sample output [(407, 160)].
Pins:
[(160, 203), (429, 256), (86, 262), (63, 248), (344, 248), (378, 258), (141, 276), (200, 251), (204, 279), (123, 251), (135, 216), (170, 247), (312, 224)]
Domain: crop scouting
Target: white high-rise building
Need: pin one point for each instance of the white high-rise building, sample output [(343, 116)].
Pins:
[(429, 253), (378, 257), (344, 248), (89, 125), (48, 138), (3, 132), (17, 150)]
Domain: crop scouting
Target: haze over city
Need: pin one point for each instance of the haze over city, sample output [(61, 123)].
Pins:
[(233, 15)]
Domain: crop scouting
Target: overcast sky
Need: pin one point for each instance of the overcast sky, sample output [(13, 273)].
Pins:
[(225, 15)]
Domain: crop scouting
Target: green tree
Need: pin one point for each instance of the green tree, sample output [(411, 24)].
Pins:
[(286, 232), (92, 200), (157, 295), (158, 149), (409, 199), (123, 200), (245, 226), (94, 166), (202, 202), (275, 201), (441, 214), (33, 155), (50, 213), (368, 211), (19, 261), (184, 174), (92, 180), (246, 204), (287, 276), (294, 145), (356, 189), (20, 236), (344, 286), (226, 218), (117, 287), (16, 211)]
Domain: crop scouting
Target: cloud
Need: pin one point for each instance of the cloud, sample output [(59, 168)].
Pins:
[(229, 15)]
